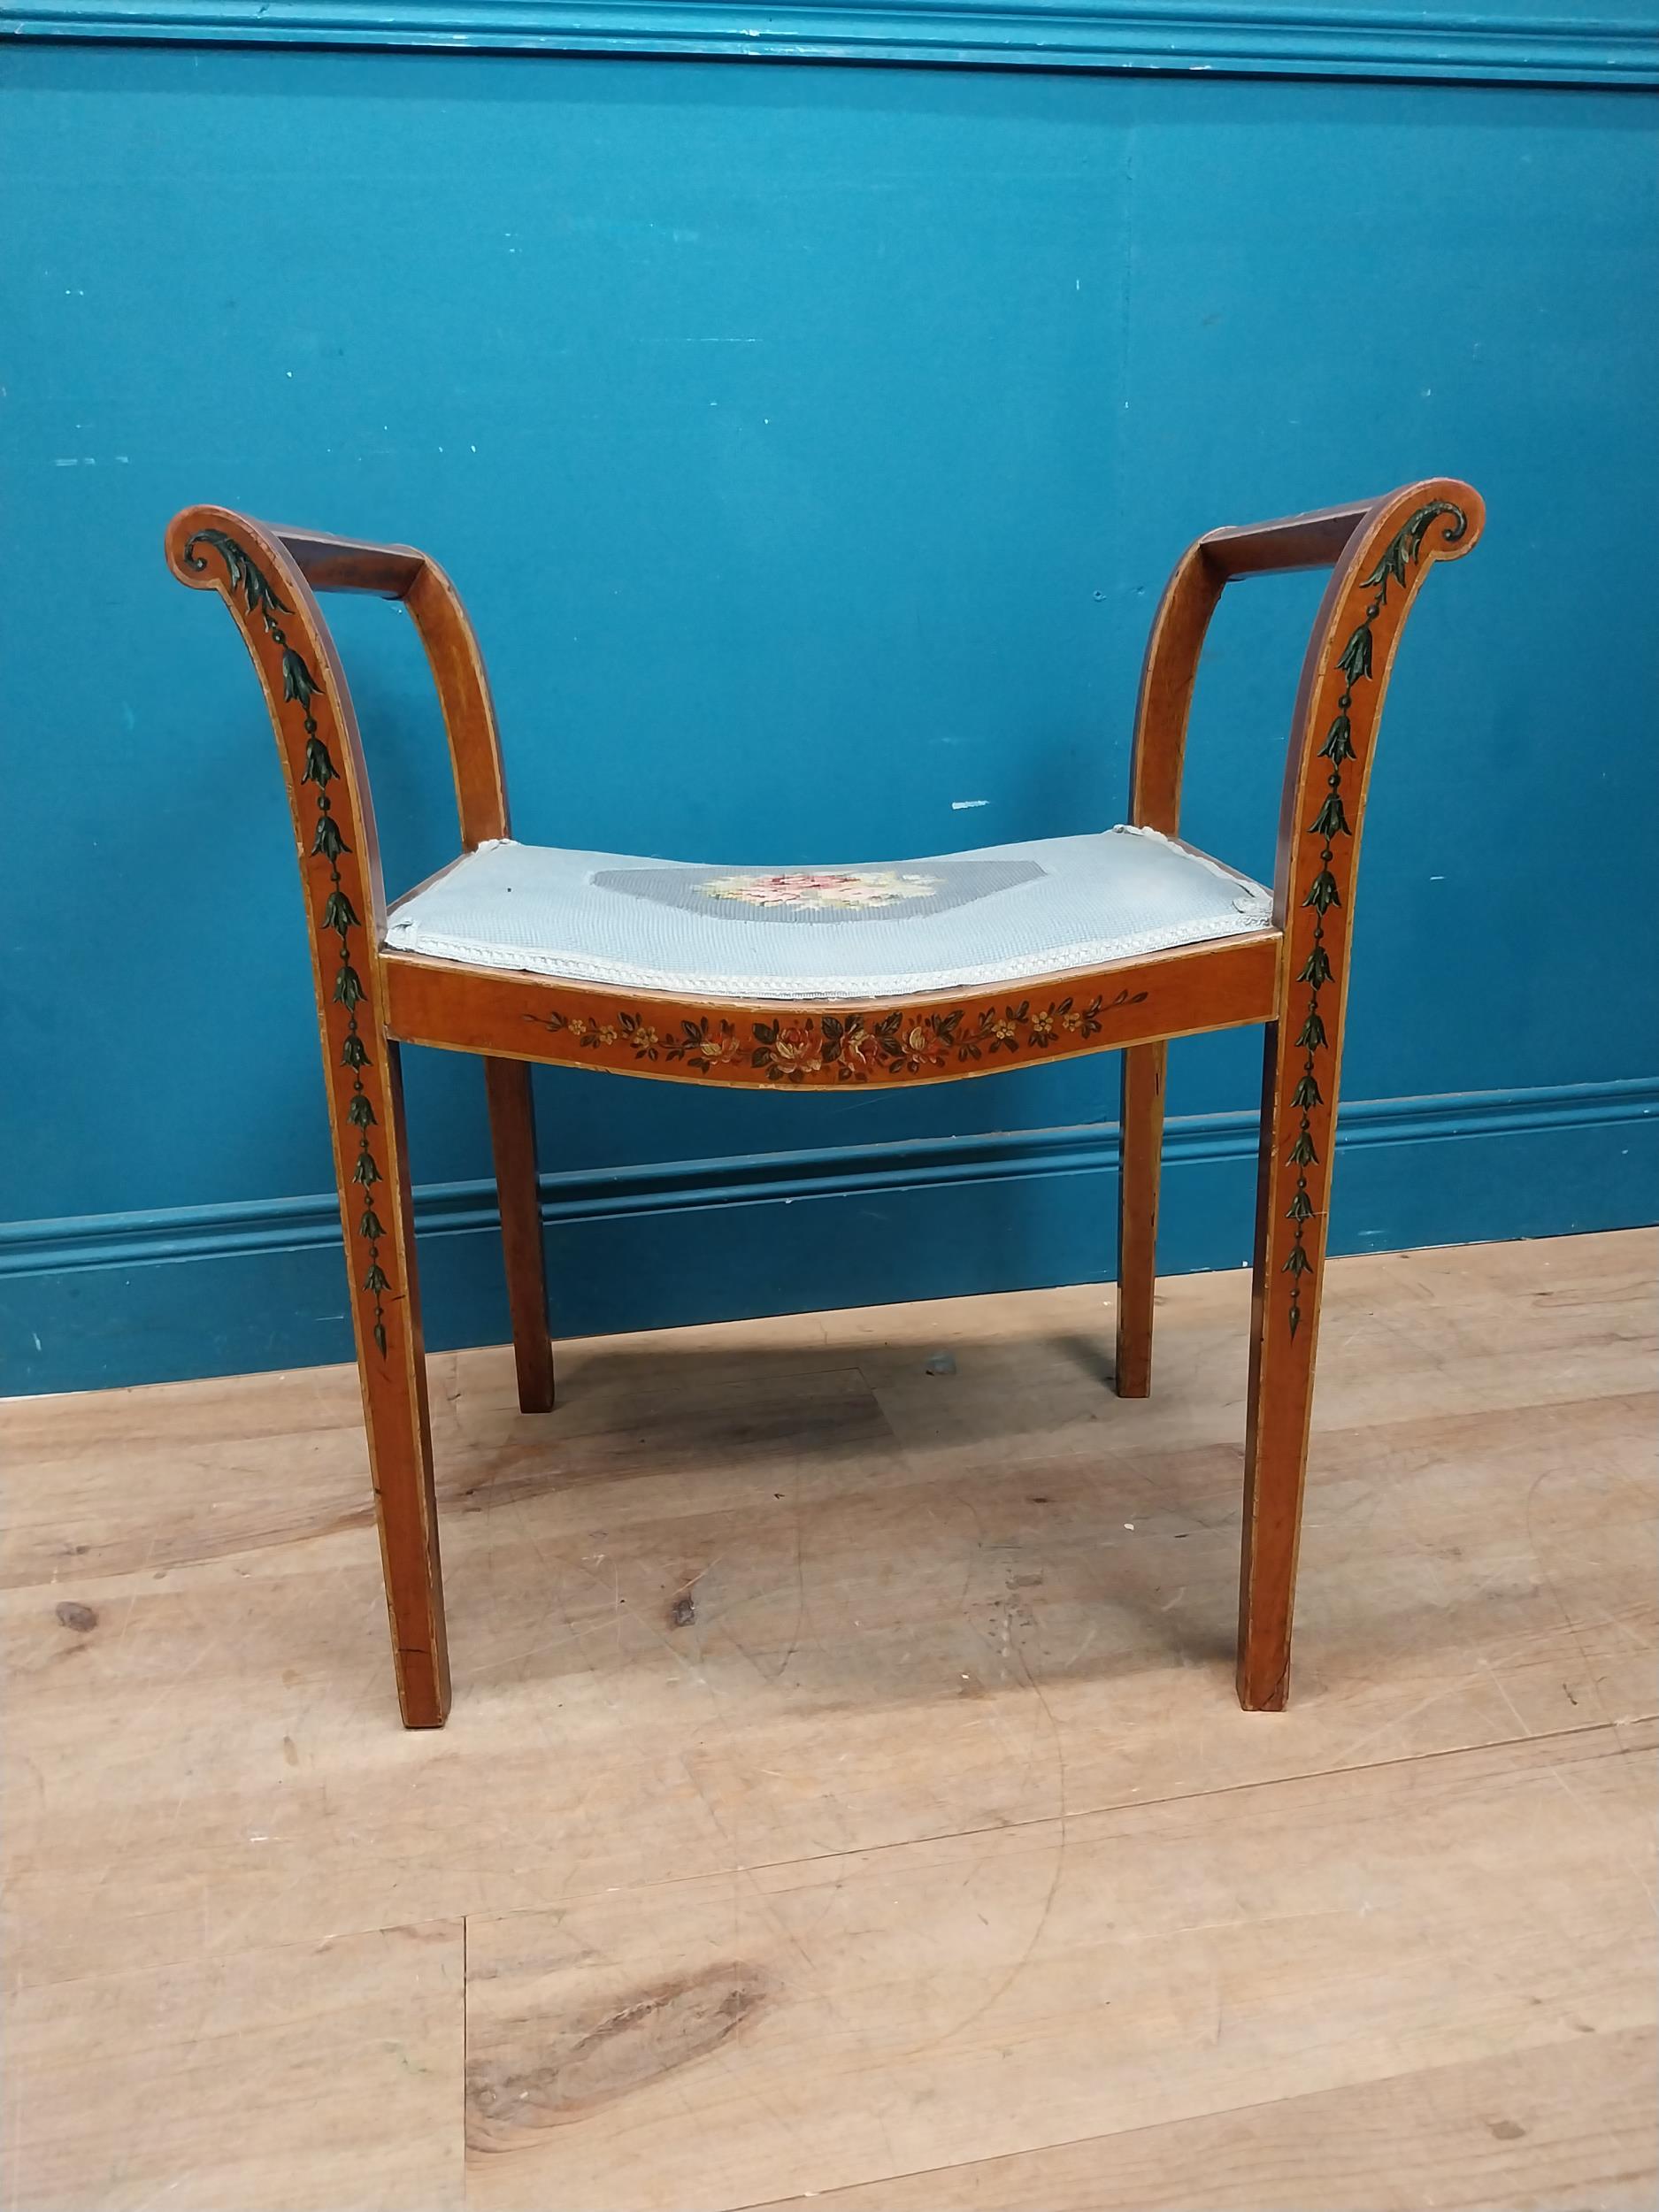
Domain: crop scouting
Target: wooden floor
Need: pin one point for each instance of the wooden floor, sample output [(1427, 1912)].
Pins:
[(845, 1796)]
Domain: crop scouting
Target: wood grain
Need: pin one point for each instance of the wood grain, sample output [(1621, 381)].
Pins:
[(855, 2017), (312, 2078), (791, 1648), (512, 1142), (1140, 1146), (1528, 2132)]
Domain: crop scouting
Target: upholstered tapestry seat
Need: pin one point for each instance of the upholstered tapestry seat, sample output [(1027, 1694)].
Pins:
[(854, 933)]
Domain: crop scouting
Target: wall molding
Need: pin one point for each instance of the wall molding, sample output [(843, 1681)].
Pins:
[(130, 1298), (1502, 44), (287, 1225)]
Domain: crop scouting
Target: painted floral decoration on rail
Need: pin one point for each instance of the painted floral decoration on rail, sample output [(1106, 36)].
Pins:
[(1402, 552), (300, 687), (847, 1048)]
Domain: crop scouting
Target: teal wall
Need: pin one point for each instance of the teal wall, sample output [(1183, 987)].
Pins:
[(810, 444)]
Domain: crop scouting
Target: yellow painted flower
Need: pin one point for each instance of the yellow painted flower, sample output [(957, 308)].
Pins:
[(794, 1047)]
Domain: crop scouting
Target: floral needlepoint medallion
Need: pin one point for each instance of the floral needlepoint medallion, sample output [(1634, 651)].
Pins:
[(816, 889), (893, 893)]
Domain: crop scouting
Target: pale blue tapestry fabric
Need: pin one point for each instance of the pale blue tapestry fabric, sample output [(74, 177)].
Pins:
[(863, 930)]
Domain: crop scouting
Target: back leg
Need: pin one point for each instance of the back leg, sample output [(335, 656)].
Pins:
[(512, 1138), (1142, 1162)]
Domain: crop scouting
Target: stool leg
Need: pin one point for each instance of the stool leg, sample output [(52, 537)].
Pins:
[(372, 1158), (512, 1137), (1292, 1193), (1142, 1151)]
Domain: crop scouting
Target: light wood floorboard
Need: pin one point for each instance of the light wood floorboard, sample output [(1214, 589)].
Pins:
[(1529, 2131), (845, 1794)]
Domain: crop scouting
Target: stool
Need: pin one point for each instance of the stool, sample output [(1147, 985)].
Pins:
[(796, 978)]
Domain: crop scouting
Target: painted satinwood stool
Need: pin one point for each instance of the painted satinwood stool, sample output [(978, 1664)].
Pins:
[(906, 972)]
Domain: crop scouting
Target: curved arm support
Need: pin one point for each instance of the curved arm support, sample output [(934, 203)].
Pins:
[(1349, 658), (469, 713), (1323, 538), (382, 572), (264, 585), (1339, 706), (1312, 541), (1167, 677), (1380, 554)]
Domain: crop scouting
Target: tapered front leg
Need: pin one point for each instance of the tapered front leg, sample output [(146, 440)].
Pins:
[(316, 736), (1293, 1182), (1344, 678), (512, 1136), (1140, 1164), (372, 1158)]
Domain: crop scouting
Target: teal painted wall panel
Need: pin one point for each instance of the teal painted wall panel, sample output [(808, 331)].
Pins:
[(810, 444)]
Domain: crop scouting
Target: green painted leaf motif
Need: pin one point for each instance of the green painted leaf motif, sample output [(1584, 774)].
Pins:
[(377, 1279), (371, 1227), (1355, 659), (227, 550), (1407, 542), (1339, 742), (359, 1113), (257, 590), (1316, 968), (379, 1333), (354, 1053), (1322, 893), (328, 841), (1298, 1263), (258, 594), (240, 572), (1330, 821), (348, 987), (1299, 1209), (1416, 529), (366, 1171), (339, 913), (1306, 1093), (1392, 564), (1301, 1153), (1313, 1035), (319, 767), (297, 681)]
